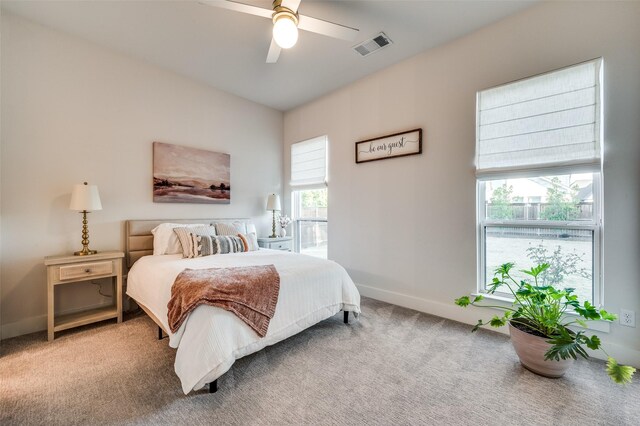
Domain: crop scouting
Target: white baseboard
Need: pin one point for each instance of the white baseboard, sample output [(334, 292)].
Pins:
[(470, 315), (39, 323), (25, 326)]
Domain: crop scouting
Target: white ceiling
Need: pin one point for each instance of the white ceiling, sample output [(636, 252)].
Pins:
[(227, 49)]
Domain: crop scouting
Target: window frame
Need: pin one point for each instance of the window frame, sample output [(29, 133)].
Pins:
[(297, 220), (594, 225), (296, 189)]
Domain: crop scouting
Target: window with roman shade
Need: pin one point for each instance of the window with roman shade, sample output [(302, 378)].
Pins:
[(309, 196), (538, 168), (309, 163), (549, 121)]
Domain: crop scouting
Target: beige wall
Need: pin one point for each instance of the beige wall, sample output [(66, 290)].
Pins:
[(0, 176), (405, 228), (73, 112)]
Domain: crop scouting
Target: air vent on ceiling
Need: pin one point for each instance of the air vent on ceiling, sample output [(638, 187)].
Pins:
[(367, 47)]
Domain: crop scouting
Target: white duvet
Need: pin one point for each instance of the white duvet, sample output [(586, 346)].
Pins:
[(211, 339)]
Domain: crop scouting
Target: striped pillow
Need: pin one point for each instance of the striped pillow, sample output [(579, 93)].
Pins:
[(228, 228), (184, 236), (250, 241), (206, 245)]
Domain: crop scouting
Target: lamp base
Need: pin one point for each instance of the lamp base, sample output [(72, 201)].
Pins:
[(85, 238), (85, 252), (273, 234)]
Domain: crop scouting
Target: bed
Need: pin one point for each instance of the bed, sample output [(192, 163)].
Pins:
[(211, 339)]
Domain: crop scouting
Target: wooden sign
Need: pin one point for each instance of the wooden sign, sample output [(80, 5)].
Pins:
[(389, 146)]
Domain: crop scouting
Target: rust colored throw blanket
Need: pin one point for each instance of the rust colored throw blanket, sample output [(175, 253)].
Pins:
[(250, 292)]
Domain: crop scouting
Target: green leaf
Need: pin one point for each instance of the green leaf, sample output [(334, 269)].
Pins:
[(524, 291), (477, 326), (588, 311), (494, 285), (606, 316), (592, 343), (536, 270), (463, 301), (497, 321), (504, 268), (621, 374), (573, 303), (478, 298), (565, 346)]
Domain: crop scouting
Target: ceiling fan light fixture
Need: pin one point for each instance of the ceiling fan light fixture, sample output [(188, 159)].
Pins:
[(285, 28)]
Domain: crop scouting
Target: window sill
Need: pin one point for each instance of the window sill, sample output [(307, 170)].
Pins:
[(602, 326)]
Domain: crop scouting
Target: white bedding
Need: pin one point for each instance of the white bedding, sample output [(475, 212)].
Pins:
[(211, 339)]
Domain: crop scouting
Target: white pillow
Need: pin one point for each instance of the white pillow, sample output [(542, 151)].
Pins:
[(251, 228), (235, 227), (230, 228), (165, 241)]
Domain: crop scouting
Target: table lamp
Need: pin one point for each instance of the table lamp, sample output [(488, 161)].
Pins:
[(84, 199), (273, 204)]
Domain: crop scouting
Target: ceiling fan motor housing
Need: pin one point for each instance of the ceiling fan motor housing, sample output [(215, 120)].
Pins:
[(280, 12)]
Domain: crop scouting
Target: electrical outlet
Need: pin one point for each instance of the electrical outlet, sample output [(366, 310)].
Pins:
[(627, 318)]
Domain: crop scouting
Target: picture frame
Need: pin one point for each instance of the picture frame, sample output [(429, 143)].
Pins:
[(395, 145), (183, 174)]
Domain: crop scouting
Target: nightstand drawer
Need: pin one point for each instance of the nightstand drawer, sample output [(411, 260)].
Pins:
[(86, 270), (283, 245), (280, 243)]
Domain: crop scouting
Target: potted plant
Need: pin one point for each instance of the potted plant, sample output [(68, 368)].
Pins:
[(539, 319)]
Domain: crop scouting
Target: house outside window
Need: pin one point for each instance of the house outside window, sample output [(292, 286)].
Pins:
[(538, 165), (309, 196)]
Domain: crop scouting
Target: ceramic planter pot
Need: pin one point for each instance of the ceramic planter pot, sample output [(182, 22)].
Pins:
[(531, 350)]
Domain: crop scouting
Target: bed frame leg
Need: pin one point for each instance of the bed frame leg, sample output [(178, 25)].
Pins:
[(213, 386), (346, 317), (159, 333)]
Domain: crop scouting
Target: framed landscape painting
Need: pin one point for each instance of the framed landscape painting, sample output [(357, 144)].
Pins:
[(190, 175)]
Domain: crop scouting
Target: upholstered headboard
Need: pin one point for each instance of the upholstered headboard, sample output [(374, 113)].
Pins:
[(139, 240)]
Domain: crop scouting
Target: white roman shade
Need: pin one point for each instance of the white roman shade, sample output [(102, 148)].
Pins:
[(550, 121), (309, 162)]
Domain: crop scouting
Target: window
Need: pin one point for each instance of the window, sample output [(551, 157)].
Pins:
[(309, 196), (538, 164), (310, 223)]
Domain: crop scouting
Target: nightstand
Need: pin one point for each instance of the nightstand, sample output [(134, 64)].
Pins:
[(278, 243), (72, 269)]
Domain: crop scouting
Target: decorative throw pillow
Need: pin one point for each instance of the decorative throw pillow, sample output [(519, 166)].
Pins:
[(250, 241), (229, 228), (184, 236), (165, 241), (206, 245), (251, 228)]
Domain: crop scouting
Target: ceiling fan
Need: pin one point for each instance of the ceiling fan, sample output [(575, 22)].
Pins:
[(286, 22)]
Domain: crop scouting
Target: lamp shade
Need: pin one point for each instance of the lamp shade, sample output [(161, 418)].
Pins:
[(273, 202), (85, 197)]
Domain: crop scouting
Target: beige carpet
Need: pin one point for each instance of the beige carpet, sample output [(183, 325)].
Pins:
[(395, 366)]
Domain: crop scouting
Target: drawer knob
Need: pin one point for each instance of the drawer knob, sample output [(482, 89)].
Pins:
[(87, 271)]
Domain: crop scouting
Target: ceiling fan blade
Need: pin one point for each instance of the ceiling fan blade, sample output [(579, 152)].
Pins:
[(238, 7), (327, 28), (291, 4), (274, 52)]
